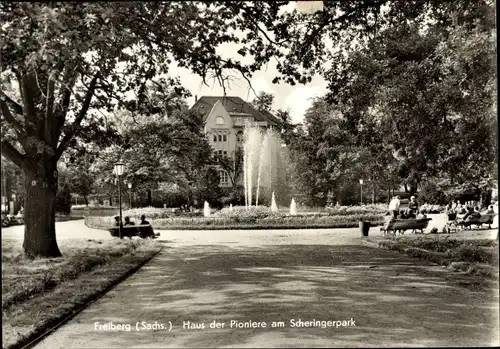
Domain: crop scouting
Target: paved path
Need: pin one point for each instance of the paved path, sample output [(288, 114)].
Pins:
[(266, 276)]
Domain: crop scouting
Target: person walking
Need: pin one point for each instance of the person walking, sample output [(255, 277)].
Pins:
[(394, 206)]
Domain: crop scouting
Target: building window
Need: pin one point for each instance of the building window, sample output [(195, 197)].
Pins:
[(215, 138), (224, 138), (224, 178), (219, 138), (219, 120)]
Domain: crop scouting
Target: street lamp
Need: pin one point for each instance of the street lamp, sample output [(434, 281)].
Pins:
[(361, 184), (130, 194), (119, 173)]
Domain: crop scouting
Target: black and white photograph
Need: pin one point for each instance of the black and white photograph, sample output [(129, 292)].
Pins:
[(249, 174)]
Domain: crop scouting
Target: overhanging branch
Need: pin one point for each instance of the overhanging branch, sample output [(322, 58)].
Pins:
[(81, 115), (18, 109), (10, 152), (21, 136)]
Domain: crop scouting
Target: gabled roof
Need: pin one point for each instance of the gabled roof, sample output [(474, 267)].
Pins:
[(233, 105)]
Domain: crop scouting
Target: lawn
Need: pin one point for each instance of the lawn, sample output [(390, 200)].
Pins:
[(473, 256), (38, 294)]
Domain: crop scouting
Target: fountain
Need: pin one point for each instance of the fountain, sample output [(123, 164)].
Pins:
[(293, 208), (230, 207), (274, 207), (263, 164), (206, 210)]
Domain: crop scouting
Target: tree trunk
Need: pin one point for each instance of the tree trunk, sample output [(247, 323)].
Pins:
[(413, 187), (39, 211), (86, 200), (149, 197)]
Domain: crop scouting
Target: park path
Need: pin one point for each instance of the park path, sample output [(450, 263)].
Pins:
[(266, 276)]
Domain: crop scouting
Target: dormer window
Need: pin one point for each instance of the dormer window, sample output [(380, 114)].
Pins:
[(219, 120)]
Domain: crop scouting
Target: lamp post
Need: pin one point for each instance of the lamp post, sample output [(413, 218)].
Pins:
[(119, 173), (130, 194), (361, 184)]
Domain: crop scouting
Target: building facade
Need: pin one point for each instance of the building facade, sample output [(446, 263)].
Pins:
[(224, 120)]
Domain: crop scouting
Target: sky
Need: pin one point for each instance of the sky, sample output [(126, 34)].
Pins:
[(295, 98)]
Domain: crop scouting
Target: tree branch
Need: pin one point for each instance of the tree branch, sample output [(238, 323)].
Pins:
[(21, 136), (49, 104), (61, 110), (18, 109), (76, 124), (15, 156), (327, 20), (26, 83)]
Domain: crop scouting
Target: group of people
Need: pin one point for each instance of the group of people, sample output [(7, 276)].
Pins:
[(144, 231), (469, 209), (411, 212)]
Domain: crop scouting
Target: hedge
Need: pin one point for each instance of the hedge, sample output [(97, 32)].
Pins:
[(270, 222)]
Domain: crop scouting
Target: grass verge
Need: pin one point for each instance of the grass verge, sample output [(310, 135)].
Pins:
[(474, 257), (39, 294)]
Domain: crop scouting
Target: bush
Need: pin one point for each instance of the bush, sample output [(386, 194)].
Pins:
[(432, 194), (149, 212), (242, 212), (63, 200), (260, 219), (472, 254)]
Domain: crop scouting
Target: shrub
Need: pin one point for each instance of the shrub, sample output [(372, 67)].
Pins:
[(149, 212), (431, 194), (63, 200), (472, 254), (242, 212), (272, 220)]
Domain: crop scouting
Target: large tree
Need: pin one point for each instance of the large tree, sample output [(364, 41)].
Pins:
[(424, 96), (70, 59)]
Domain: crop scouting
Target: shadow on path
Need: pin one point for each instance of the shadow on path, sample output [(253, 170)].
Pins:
[(394, 300)]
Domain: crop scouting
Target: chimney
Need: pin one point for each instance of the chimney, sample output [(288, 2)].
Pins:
[(196, 98)]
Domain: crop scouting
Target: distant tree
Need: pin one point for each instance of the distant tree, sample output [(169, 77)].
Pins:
[(263, 101)]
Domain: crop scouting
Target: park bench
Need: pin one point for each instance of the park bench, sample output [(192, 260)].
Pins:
[(486, 218), (403, 225), (133, 230)]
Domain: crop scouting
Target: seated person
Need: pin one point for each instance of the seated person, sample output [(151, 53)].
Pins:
[(421, 215), (410, 214), (116, 230), (146, 232), (128, 222), (402, 214), (129, 231), (425, 208), (475, 213), (413, 205), (490, 210), (469, 212)]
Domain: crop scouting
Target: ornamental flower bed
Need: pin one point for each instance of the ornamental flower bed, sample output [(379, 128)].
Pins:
[(254, 218)]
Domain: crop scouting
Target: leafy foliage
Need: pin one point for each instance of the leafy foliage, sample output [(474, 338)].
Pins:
[(432, 194)]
